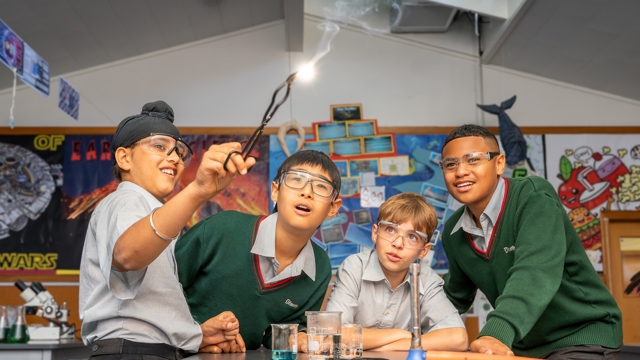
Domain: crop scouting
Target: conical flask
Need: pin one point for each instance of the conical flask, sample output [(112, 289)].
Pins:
[(19, 331), (4, 325)]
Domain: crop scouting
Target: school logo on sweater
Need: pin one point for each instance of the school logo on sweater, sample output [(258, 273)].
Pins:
[(508, 249), (288, 302)]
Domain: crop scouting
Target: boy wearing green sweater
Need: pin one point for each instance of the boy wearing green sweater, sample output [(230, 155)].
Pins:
[(264, 269), (514, 242)]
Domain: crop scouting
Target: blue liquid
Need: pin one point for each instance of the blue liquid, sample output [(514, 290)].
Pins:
[(284, 355)]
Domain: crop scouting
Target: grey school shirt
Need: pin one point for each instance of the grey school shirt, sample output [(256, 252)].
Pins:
[(364, 295), (143, 306)]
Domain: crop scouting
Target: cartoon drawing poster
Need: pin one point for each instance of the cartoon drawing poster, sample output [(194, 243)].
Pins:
[(593, 173)]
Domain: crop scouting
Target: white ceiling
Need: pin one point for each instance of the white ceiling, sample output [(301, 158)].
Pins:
[(76, 34), (589, 43)]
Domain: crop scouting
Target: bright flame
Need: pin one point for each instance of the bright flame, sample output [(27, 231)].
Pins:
[(306, 73)]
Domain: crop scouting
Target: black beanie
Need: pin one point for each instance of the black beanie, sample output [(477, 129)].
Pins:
[(156, 117)]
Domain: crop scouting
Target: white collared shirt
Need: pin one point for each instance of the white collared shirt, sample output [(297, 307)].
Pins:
[(265, 248), (482, 237)]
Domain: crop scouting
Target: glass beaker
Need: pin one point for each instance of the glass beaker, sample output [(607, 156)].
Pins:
[(351, 341), (4, 325), (284, 341), (19, 331), (323, 334)]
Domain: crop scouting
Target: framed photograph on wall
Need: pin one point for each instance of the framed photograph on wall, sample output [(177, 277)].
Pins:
[(322, 146), (350, 186), (343, 167), (364, 165), (395, 165), (344, 112), (380, 144), (332, 234), (347, 147), (330, 131), (362, 216), (361, 128), (435, 192)]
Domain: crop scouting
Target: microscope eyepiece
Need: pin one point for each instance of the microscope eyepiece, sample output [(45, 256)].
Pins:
[(20, 285), (35, 288)]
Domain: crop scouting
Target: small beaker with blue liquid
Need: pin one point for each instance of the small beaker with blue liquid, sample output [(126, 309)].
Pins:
[(284, 341)]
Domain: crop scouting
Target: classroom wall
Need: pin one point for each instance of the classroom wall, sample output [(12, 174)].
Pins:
[(409, 80)]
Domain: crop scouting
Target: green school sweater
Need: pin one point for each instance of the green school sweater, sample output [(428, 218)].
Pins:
[(535, 274), (218, 272)]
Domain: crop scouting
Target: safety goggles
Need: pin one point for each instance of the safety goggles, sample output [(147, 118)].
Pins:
[(411, 239), (165, 144), (298, 179), (469, 160)]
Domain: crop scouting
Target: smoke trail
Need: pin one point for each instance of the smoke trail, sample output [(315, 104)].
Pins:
[(329, 32), (372, 15)]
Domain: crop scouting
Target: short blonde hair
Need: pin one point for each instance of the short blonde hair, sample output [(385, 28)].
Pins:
[(410, 207)]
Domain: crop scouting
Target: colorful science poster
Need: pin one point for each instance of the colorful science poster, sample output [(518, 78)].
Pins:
[(593, 173)]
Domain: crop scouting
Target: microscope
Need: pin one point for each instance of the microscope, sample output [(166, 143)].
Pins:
[(38, 301)]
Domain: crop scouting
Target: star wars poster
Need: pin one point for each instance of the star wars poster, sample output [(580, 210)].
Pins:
[(32, 239), (593, 173), (44, 220)]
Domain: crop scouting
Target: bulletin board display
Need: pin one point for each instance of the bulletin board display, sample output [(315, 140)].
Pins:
[(413, 167)]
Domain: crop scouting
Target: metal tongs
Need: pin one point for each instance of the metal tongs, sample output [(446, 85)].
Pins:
[(271, 110)]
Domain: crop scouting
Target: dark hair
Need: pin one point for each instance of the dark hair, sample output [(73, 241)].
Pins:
[(472, 130), (311, 158)]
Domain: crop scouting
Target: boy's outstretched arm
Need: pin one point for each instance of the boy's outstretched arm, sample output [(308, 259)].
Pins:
[(139, 246)]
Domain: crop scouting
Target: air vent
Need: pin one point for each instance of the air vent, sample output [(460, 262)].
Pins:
[(420, 16)]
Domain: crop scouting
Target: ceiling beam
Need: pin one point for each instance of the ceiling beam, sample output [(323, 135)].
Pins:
[(294, 24), (505, 30)]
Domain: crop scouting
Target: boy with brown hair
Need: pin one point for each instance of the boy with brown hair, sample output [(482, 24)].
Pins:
[(514, 242), (265, 269), (372, 288), (131, 303)]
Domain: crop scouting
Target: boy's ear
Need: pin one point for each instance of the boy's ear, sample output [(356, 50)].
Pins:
[(501, 162), (274, 192), (374, 231), (123, 158), (335, 206), (424, 251)]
